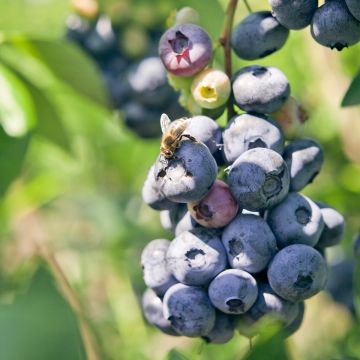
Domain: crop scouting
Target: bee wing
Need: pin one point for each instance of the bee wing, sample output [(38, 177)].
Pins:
[(164, 123)]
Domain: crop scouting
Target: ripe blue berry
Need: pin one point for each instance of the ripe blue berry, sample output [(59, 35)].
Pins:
[(297, 272), (296, 220), (189, 175), (258, 35), (223, 330), (195, 257), (249, 243), (248, 131), (189, 310), (157, 276), (260, 89), (354, 8), (259, 179), (233, 291)]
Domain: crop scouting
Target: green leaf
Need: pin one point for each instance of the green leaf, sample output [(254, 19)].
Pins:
[(175, 355), (16, 107), (12, 155), (352, 96), (39, 325)]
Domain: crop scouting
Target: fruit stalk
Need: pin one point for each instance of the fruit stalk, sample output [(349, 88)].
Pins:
[(225, 39)]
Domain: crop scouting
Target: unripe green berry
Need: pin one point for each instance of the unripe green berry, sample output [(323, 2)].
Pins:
[(211, 88), (187, 15)]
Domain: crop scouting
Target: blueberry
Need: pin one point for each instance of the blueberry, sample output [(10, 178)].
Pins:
[(249, 243), (233, 291), (297, 220), (259, 179), (157, 276), (354, 8), (304, 158), (341, 282), (223, 330), (260, 89), (189, 175), (258, 35), (294, 14), (165, 220), (144, 121), (297, 272), (216, 209), (296, 323), (248, 131), (195, 257), (211, 88), (205, 130), (334, 226), (334, 26), (152, 308), (149, 82), (189, 310), (152, 196), (185, 49), (77, 28), (101, 41), (269, 304)]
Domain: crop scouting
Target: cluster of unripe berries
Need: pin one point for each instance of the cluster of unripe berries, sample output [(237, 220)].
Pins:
[(134, 76), (247, 243)]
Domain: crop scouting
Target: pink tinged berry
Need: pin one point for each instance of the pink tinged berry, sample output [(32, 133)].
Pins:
[(211, 88), (216, 209), (291, 117), (185, 49)]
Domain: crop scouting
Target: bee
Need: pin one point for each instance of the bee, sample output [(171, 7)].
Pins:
[(173, 132)]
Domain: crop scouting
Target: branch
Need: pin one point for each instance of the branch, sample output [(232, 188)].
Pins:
[(225, 40)]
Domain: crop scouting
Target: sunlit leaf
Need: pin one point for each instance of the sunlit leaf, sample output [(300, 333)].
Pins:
[(16, 107), (352, 96)]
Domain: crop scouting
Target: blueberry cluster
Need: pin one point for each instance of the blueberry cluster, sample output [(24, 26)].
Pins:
[(335, 24), (248, 245), (134, 75)]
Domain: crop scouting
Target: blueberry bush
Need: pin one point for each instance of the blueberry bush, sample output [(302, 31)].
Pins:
[(232, 233)]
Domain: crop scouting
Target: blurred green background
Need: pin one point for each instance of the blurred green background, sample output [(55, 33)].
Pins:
[(72, 220)]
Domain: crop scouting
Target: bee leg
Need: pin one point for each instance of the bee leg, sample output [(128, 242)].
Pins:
[(189, 137)]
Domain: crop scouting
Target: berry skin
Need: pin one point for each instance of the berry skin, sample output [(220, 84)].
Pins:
[(334, 26), (195, 257), (77, 28), (157, 276), (152, 308), (151, 194), (211, 88), (296, 220), (233, 291), (268, 303), (205, 130), (149, 83), (334, 226), (189, 310), (294, 14), (249, 243), (294, 326), (297, 272), (223, 330), (248, 131), (291, 118), (304, 158), (260, 89), (189, 175), (258, 35), (185, 49), (354, 8), (259, 179), (216, 209)]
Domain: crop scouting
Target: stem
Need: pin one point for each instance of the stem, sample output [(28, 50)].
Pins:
[(225, 39), (89, 339), (247, 6)]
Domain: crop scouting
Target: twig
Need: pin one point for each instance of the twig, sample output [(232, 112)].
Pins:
[(225, 40), (247, 6)]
